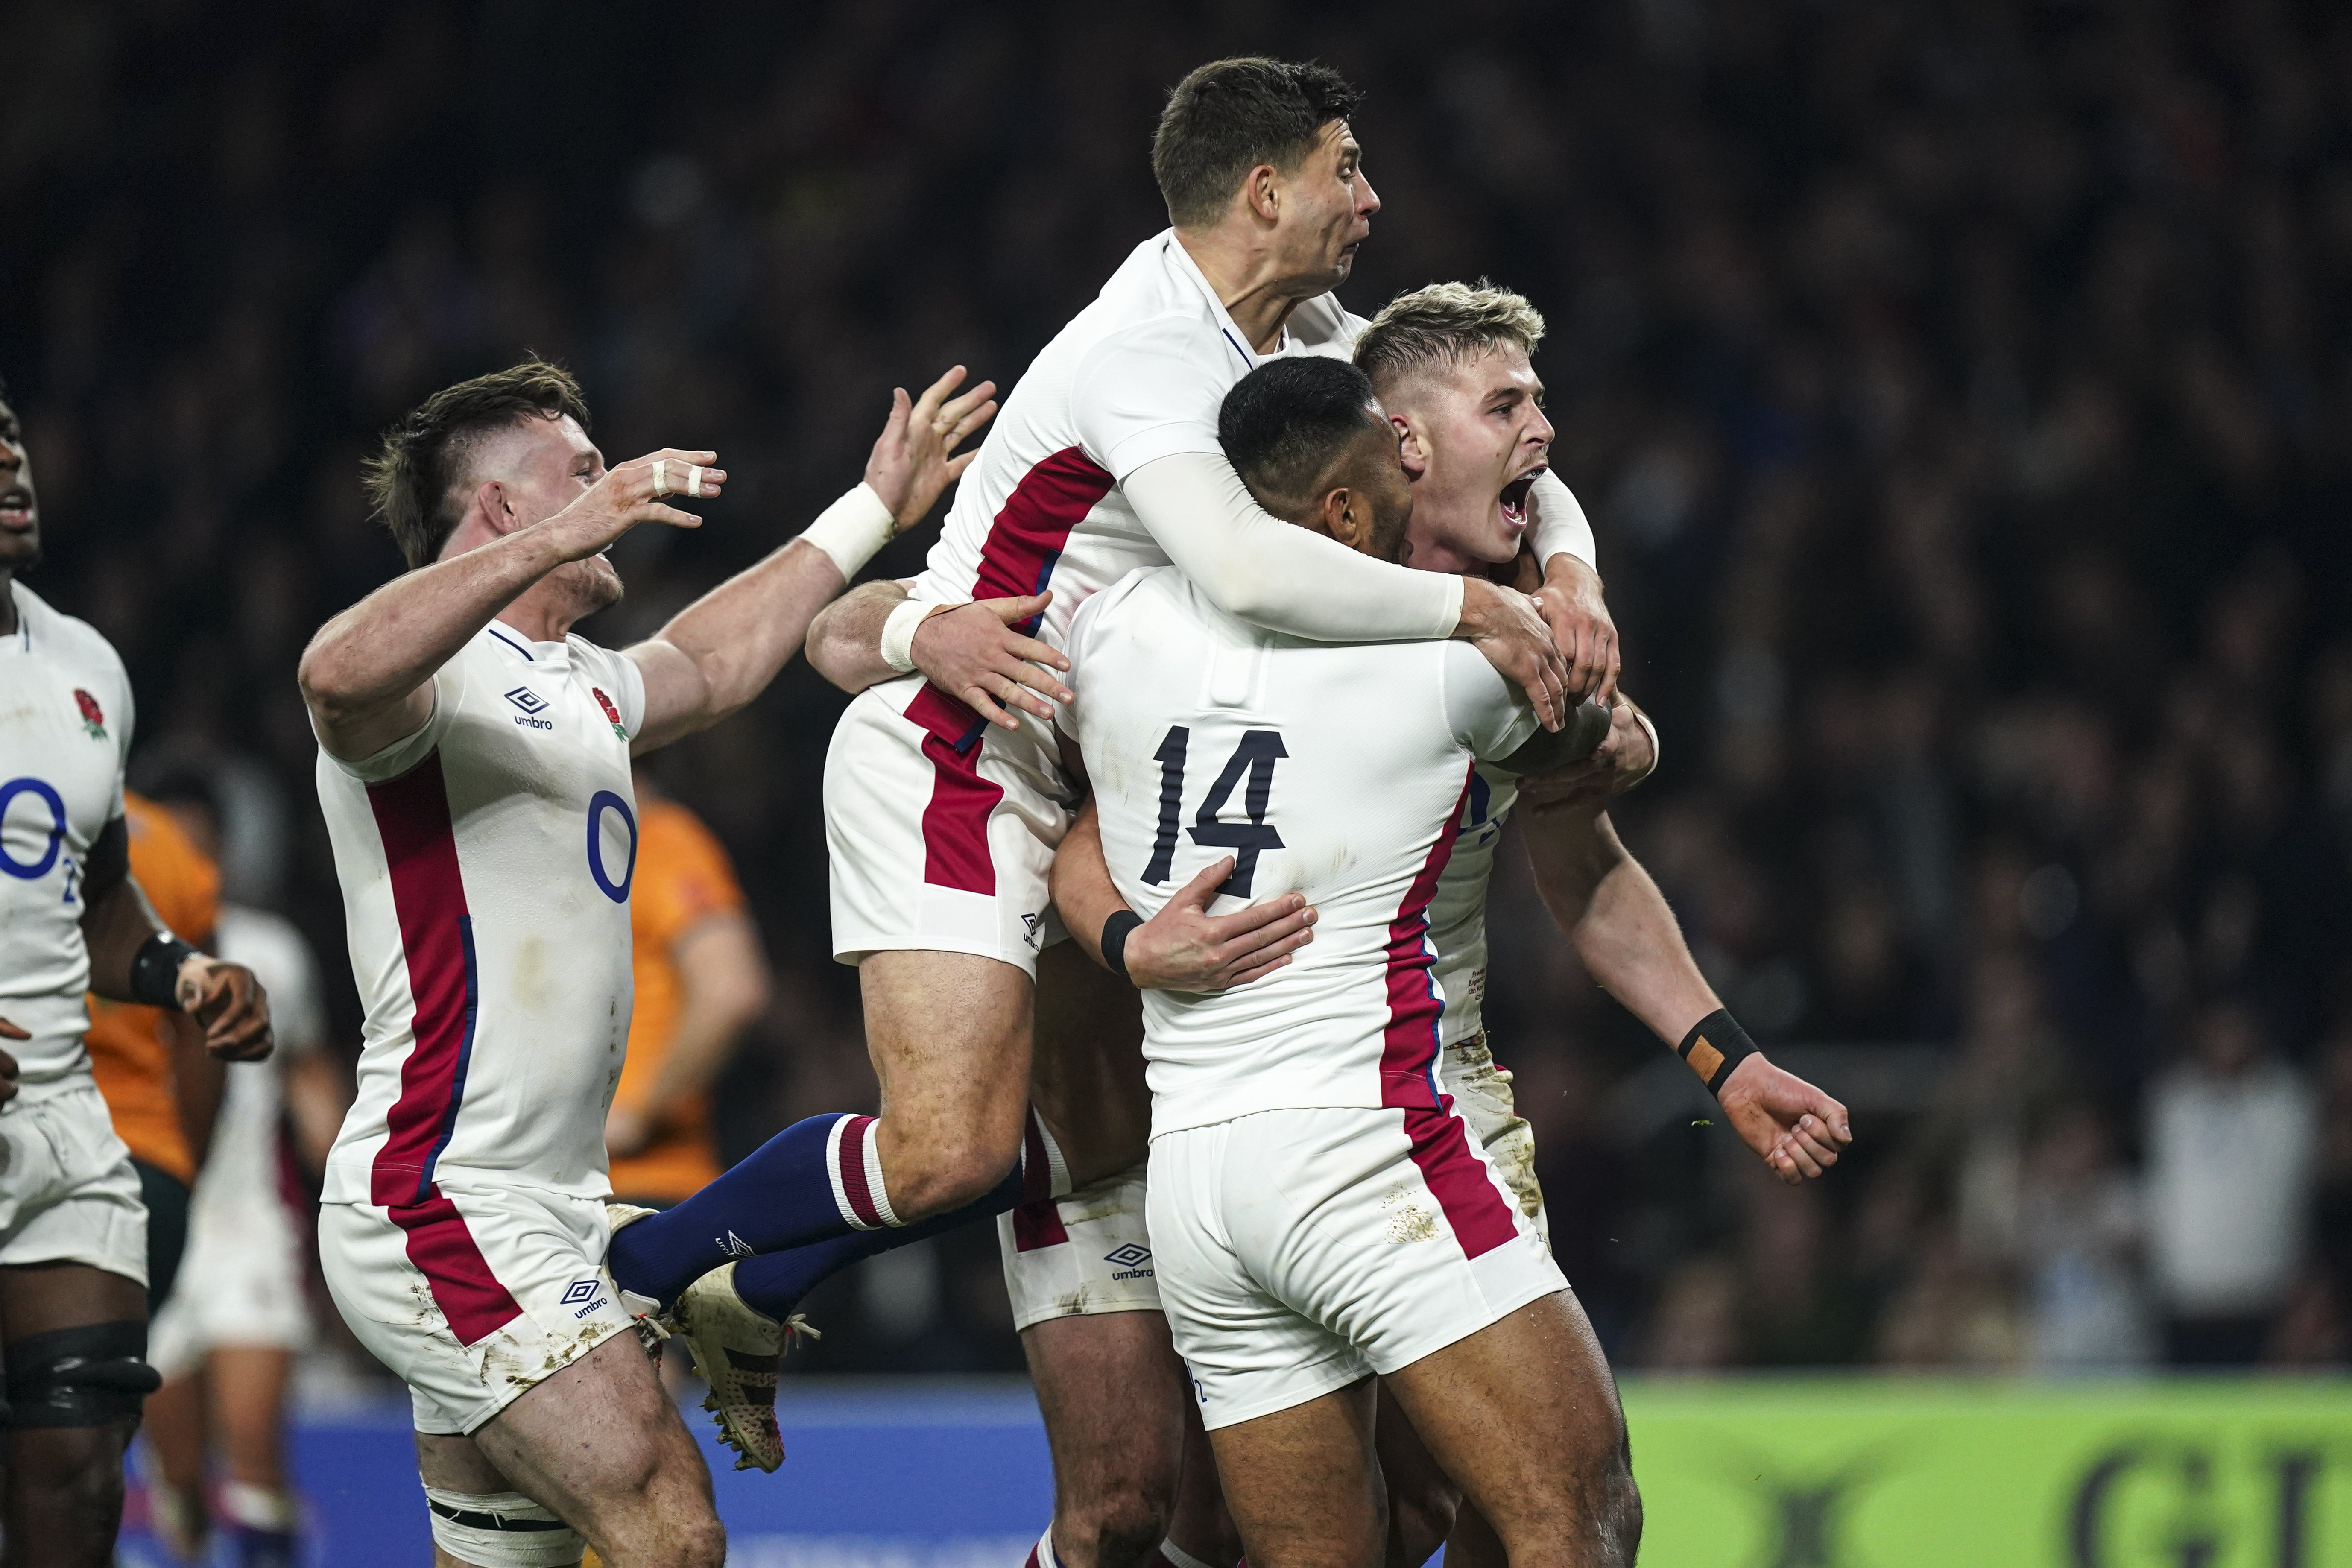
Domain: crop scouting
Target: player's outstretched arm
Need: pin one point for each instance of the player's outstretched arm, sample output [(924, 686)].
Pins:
[(1628, 939), (367, 675), (722, 650), (1183, 947), (973, 651), (134, 958), (1274, 574)]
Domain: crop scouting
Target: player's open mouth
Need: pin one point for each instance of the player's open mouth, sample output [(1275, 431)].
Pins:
[(1514, 498), (15, 506)]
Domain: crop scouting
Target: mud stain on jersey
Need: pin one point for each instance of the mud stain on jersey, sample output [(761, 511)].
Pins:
[(1408, 1221)]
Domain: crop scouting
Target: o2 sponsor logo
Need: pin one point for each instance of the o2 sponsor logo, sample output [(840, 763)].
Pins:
[(51, 838), (605, 802)]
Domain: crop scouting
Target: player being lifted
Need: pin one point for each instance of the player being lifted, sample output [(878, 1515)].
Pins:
[(1451, 366), (73, 1231), (474, 770), (944, 797)]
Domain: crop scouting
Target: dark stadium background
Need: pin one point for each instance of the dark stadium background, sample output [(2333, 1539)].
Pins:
[(1960, 393)]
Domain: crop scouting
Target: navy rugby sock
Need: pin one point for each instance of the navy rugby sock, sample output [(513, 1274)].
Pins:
[(775, 1283), (781, 1195)]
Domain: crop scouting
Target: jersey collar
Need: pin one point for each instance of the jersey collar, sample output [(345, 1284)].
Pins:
[(1190, 270)]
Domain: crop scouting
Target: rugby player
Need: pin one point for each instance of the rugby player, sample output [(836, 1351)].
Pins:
[(73, 1230), (474, 772), (1318, 1211), (944, 794), (1453, 361)]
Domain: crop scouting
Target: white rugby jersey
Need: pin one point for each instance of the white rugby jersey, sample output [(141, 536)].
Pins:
[(1137, 375), (485, 863), (65, 733), (1340, 770), (1457, 915)]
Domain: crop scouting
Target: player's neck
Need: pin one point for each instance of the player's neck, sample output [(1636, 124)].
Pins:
[(7, 602), (1431, 552), (1249, 282), (541, 616)]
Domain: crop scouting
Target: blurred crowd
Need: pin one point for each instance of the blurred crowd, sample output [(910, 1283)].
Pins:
[(1960, 393)]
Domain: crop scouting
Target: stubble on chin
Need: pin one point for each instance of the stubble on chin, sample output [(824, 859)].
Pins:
[(592, 585)]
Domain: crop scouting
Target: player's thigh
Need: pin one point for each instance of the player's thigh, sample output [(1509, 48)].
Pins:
[(1113, 1395), (1303, 1484), (600, 1445), (950, 1037), (1086, 1076), (1524, 1414), (64, 1463)]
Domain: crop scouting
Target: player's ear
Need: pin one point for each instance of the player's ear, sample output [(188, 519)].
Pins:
[(497, 507), (1412, 446), (1262, 192), (1346, 518)]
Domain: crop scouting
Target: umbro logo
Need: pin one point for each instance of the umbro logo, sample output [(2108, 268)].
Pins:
[(1029, 926), (533, 705), (735, 1245), (584, 1296), (1128, 1255)]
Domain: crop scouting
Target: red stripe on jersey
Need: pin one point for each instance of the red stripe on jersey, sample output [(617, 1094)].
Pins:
[(1409, 1045), (955, 824), (1037, 1221), (1456, 1175), (853, 1172), (428, 895), (1028, 535), (465, 1290)]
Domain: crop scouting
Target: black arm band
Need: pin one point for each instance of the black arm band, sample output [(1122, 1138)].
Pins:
[(1115, 932), (1716, 1045), (156, 970)]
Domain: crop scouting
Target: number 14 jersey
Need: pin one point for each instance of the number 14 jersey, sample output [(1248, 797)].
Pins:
[(485, 863), (1333, 770)]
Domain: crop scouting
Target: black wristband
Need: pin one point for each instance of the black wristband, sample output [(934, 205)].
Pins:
[(1716, 1045), (1115, 932), (155, 971)]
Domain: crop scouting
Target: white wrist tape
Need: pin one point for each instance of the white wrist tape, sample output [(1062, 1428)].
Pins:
[(500, 1529), (852, 529), (898, 631)]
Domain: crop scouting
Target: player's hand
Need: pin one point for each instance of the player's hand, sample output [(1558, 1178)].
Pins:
[(1185, 948), (8, 1069), (973, 652), (1507, 627), (1622, 761), (231, 1006), (1797, 1129), (1579, 617), (912, 462), (626, 1131), (630, 494)]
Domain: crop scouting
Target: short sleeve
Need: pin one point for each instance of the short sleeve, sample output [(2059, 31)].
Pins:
[(449, 689), (1151, 390), (615, 675), (1483, 711)]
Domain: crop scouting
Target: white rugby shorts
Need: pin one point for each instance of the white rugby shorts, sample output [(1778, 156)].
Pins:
[(241, 1281), (940, 828), (1081, 1256), (473, 1297), (1481, 1089), (68, 1194), (1299, 1251)]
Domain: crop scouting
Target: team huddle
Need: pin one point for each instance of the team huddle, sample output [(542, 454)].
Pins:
[(1160, 831)]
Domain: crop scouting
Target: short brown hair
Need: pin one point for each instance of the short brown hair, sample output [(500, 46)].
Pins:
[(1444, 323), (409, 480), (1228, 117)]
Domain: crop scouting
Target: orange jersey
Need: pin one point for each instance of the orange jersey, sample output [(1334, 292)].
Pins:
[(683, 879), (130, 1054)]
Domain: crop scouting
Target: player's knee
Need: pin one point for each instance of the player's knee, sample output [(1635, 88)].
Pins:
[(703, 1543), (1121, 1526), (945, 1174), (1422, 1514)]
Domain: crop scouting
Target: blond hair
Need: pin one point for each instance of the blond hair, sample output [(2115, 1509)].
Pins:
[(1445, 324)]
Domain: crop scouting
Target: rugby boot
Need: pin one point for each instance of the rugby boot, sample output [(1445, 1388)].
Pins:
[(738, 1351)]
